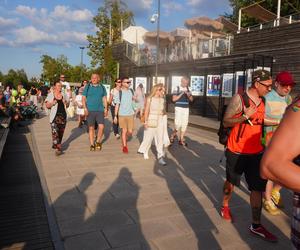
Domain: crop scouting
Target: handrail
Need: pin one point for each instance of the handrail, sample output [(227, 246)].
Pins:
[(185, 50), (289, 19)]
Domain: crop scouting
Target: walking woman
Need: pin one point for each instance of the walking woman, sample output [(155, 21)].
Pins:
[(57, 102), (155, 117), (114, 93)]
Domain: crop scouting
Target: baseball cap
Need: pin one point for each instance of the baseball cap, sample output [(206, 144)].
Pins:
[(261, 75), (285, 78)]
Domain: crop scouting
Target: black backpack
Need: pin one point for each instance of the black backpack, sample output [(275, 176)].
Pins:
[(223, 132)]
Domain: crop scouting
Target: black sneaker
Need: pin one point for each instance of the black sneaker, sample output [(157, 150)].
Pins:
[(92, 148)]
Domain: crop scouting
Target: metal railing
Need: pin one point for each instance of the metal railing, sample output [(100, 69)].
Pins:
[(184, 50), (274, 23)]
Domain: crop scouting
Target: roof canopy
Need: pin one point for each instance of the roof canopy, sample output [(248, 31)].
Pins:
[(259, 12), (165, 38), (203, 24)]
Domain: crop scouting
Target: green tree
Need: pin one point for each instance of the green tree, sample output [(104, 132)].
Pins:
[(108, 22), (287, 7), (15, 77)]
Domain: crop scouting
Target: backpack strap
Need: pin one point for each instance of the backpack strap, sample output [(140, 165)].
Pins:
[(245, 103)]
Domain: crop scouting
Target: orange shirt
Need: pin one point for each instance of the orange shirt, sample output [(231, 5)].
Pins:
[(244, 138)]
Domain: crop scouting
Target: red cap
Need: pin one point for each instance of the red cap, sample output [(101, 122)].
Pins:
[(285, 78)]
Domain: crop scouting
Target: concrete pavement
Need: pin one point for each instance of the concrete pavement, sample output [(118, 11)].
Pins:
[(108, 200)]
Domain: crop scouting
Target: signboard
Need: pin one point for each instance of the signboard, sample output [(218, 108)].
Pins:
[(213, 85), (239, 82), (160, 79), (176, 82), (141, 80), (227, 85), (197, 85)]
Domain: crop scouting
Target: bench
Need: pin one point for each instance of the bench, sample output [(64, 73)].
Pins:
[(4, 129)]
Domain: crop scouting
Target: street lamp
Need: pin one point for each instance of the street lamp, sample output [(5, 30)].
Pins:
[(81, 61), (156, 18)]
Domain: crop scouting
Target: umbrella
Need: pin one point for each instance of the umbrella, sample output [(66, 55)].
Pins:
[(164, 38), (203, 24)]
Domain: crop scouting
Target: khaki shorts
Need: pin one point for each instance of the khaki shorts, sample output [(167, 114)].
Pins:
[(126, 122)]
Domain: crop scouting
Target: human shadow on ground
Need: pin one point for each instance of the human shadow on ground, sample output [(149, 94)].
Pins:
[(110, 216), (193, 211), (75, 133), (198, 162), (107, 130)]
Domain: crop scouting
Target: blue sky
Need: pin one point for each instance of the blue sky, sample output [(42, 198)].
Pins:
[(29, 29)]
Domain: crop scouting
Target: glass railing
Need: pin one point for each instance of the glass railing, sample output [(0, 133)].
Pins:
[(274, 23), (185, 50)]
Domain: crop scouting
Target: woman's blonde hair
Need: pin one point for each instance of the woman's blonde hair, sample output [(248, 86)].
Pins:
[(155, 88)]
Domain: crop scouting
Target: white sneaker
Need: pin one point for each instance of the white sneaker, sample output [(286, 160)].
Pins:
[(161, 161), (117, 136), (146, 156)]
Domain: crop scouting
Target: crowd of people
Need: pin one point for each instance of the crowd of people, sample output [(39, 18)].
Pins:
[(263, 122)]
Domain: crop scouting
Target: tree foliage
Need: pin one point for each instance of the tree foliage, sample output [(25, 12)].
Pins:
[(15, 77), (108, 23), (54, 67), (287, 7)]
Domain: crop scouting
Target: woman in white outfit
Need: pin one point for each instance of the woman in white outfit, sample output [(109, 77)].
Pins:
[(155, 117)]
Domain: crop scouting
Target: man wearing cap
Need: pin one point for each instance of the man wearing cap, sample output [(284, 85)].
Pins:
[(245, 116), (276, 103)]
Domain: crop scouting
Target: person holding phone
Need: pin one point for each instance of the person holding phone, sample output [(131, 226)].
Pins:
[(57, 102)]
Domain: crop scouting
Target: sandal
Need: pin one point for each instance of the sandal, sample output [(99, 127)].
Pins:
[(172, 138), (182, 143)]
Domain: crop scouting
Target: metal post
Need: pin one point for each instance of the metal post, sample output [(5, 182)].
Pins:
[(278, 12), (240, 20), (157, 41), (81, 61)]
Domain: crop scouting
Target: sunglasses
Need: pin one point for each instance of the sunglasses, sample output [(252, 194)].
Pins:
[(269, 87), (128, 82)]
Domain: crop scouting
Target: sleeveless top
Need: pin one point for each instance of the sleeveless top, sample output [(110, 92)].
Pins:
[(157, 106), (246, 139)]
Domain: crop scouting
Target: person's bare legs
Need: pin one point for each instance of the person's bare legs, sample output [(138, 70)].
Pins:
[(256, 205), (227, 193), (92, 134), (124, 137), (100, 132)]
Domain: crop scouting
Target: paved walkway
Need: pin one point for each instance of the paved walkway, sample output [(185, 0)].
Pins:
[(108, 200)]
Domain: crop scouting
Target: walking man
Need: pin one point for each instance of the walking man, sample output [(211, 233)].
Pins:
[(281, 162), (276, 103), (95, 107), (182, 96), (124, 111), (245, 116)]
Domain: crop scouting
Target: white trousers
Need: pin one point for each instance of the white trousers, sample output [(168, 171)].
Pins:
[(181, 118), (158, 134)]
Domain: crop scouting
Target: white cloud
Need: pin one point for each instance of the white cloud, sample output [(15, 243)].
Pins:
[(194, 3), (26, 11), (63, 13), (5, 42), (31, 36), (139, 8), (8, 23), (171, 6)]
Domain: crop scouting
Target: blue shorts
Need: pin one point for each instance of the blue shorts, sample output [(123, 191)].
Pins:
[(95, 117)]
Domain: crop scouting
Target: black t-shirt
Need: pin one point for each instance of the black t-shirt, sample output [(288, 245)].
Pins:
[(33, 91), (44, 90)]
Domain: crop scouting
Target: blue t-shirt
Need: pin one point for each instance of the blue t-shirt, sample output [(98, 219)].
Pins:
[(94, 97), (126, 105)]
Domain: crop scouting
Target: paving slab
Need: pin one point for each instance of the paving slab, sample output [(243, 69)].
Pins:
[(109, 200)]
